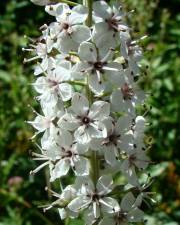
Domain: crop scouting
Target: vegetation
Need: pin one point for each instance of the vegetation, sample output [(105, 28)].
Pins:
[(20, 193)]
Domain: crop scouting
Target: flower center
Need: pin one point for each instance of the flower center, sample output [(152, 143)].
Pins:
[(98, 66), (85, 120), (65, 26), (132, 160), (52, 83), (113, 23), (121, 217), (69, 153), (127, 92), (95, 197), (113, 139)]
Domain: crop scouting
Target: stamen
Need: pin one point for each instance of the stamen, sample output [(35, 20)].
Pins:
[(31, 59), (39, 168)]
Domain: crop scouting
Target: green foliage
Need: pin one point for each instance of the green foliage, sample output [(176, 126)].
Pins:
[(18, 201)]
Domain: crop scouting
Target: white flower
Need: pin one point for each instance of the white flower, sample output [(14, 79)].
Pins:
[(66, 196), (44, 123), (127, 213), (133, 54), (86, 121), (68, 30), (69, 157), (138, 130), (61, 158), (119, 139), (109, 23), (41, 2), (41, 46), (127, 97), (54, 87), (135, 158), (95, 198), (97, 67), (90, 98), (144, 195), (113, 17)]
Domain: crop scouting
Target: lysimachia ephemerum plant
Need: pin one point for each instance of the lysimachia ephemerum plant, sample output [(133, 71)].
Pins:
[(87, 70)]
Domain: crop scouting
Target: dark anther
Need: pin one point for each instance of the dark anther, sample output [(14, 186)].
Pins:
[(95, 197), (98, 65), (65, 26), (85, 120)]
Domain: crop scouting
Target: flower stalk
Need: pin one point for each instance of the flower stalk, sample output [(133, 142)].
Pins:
[(65, 1), (89, 122)]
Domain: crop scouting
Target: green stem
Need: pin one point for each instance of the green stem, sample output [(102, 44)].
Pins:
[(89, 4), (76, 82), (94, 160), (66, 1)]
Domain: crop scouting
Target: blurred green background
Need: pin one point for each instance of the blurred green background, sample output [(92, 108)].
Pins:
[(20, 194)]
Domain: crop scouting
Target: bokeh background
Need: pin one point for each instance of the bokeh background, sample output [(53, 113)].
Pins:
[(20, 194)]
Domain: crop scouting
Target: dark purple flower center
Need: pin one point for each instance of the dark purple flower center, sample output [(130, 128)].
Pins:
[(127, 92), (86, 120)]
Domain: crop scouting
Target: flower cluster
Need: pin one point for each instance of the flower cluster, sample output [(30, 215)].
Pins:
[(87, 88)]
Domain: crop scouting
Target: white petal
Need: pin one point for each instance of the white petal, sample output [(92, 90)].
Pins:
[(81, 135), (67, 44), (130, 173), (127, 143), (142, 160), (117, 101), (82, 166), (123, 124), (105, 184), (136, 215), (66, 91), (99, 110), (87, 52), (109, 204), (95, 85), (61, 169), (127, 202), (40, 123), (62, 11), (79, 203), (48, 99), (78, 15), (88, 216), (80, 104), (63, 137), (96, 210), (97, 130), (81, 148), (68, 122), (102, 9), (77, 70), (110, 155), (62, 73), (107, 221), (104, 38), (62, 213), (139, 96), (40, 85), (42, 67), (57, 9), (41, 2), (116, 77), (81, 33)]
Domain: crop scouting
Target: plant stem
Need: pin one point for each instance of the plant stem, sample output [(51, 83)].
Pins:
[(76, 82), (67, 2), (94, 160), (89, 4)]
